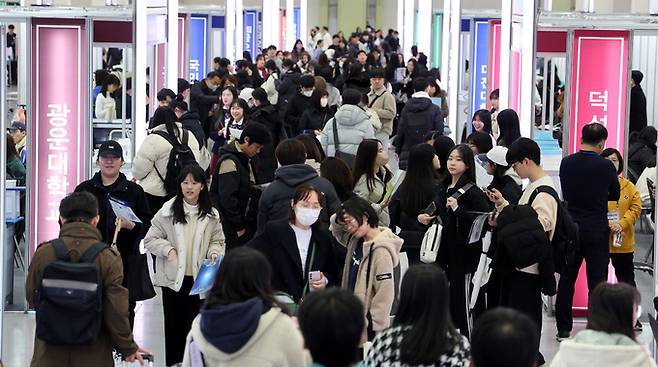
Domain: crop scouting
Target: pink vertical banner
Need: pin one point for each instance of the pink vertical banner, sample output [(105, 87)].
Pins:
[(159, 63), (516, 68), (182, 46), (599, 79), (60, 93), (282, 29), (495, 29)]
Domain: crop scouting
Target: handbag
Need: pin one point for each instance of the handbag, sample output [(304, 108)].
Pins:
[(348, 158), (286, 299), (138, 279)]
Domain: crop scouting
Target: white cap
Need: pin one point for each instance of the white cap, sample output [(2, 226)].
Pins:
[(246, 94), (497, 156)]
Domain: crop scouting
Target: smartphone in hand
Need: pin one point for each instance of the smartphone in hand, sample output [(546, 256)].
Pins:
[(314, 276), (430, 209)]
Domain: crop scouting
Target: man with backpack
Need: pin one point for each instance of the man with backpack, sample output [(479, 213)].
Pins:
[(74, 283), (519, 227), (232, 188), (588, 182)]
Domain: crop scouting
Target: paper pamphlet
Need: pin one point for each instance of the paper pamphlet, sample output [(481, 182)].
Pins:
[(393, 185), (206, 277), (121, 209)]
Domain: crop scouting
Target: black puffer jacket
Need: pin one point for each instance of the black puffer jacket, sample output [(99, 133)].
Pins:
[(522, 242), (314, 119), (288, 86), (190, 121), (639, 156), (265, 162), (418, 117)]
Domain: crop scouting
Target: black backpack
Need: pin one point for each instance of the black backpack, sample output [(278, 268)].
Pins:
[(566, 236), (70, 300), (180, 156)]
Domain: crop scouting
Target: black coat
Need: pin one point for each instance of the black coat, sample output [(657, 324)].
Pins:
[(288, 86), (419, 116), (202, 100), (456, 255), (638, 110), (313, 119), (218, 123), (639, 157), (190, 121), (279, 244), (296, 107), (508, 187), (265, 162), (129, 192)]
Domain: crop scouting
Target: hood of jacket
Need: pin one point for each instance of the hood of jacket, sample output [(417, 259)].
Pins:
[(418, 104), (229, 327), (387, 240), (591, 348), (295, 174), (189, 115), (350, 115)]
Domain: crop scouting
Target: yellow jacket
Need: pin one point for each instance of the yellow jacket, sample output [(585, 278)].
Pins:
[(630, 208)]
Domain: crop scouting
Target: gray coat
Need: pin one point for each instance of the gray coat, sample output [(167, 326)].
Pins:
[(353, 125)]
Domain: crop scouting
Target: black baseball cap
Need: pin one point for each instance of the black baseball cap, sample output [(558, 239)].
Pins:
[(523, 148), (110, 148)]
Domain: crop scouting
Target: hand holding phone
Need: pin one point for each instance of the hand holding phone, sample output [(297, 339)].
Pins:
[(314, 276), (430, 209)]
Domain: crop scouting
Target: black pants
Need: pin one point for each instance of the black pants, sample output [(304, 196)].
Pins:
[(180, 309), (594, 250), (522, 292), (155, 202), (624, 269), (233, 241), (460, 298)]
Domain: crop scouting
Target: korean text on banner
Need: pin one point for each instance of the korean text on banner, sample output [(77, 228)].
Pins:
[(198, 47), (59, 124), (250, 27), (599, 77), (480, 47)]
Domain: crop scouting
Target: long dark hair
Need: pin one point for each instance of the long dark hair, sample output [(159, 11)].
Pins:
[(366, 158), (205, 205), (313, 148), (339, 174), (244, 273), (393, 63), (166, 116), (509, 126), (417, 188), (485, 117), (442, 145), (427, 314), (110, 79), (316, 96), (611, 308), (467, 157), (11, 148)]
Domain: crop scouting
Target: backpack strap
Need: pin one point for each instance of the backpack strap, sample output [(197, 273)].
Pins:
[(375, 100), (462, 190), (186, 138), (92, 252), (61, 251), (165, 135), (335, 131), (545, 189)]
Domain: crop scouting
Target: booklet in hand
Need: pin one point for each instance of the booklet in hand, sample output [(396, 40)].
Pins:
[(121, 209), (206, 277)]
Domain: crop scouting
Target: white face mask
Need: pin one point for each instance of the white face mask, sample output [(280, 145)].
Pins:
[(324, 102), (213, 87), (307, 93), (307, 216)]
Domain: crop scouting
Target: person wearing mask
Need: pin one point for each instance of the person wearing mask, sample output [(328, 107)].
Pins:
[(382, 102), (622, 215), (183, 234), (521, 287), (508, 127), (319, 317), (458, 256), (293, 172), (267, 114), (371, 177), (505, 180), (336, 171), (105, 105), (15, 169), (296, 246), (372, 254), (588, 182), (203, 96), (419, 189), (271, 82), (642, 152), (298, 104), (609, 339), (19, 136), (78, 213), (638, 109), (315, 118), (221, 119), (351, 124), (422, 333), (289, 83), (419, 116), (149, 166), (504, 337), (108, 183), (189, 120), (241, 323), (237, 199)]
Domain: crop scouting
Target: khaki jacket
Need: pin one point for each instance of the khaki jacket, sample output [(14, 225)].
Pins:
[(116, 328), (379, 295), (385, 108), (373, 197)]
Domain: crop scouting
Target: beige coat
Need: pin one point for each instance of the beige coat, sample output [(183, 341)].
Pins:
[(379, 295), (385, 108), (164, 235), (373, 197)]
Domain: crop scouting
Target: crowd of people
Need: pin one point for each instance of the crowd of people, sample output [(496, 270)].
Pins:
[(279, 169)]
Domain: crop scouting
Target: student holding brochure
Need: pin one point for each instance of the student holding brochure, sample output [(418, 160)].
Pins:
[(108, 183)]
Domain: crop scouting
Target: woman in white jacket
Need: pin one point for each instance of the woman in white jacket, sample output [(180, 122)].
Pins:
[(271, 82), (183, 234), (150, 163), (353, 126), (241, 323), (609, 340), (105, 105)]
